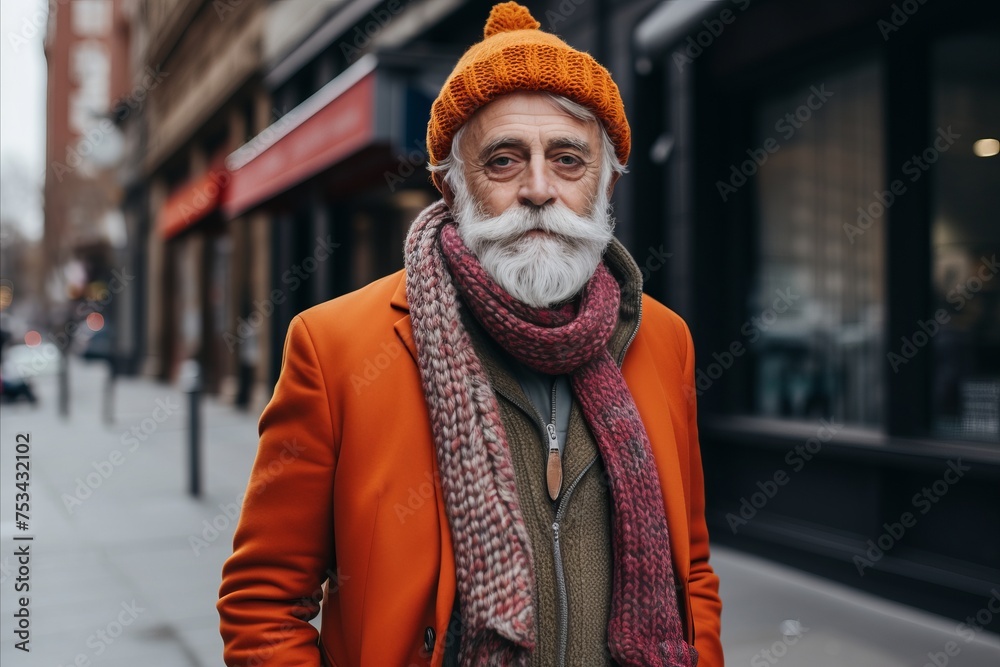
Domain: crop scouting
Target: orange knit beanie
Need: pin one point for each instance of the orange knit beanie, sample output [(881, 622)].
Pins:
[(515, 55)]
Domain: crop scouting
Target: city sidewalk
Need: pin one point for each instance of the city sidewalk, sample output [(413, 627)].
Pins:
[(115, 577), (125, 565)]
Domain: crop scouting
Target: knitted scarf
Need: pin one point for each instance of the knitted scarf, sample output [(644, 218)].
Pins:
[(492, 551)]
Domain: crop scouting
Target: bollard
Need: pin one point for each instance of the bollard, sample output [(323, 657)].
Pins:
[(191, 384), (109, 390), (63, 382)]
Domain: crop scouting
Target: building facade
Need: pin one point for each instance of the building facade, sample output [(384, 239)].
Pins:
[(824, 175), (205, 102), (84, 235)]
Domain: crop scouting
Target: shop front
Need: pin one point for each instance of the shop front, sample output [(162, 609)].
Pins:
[(829, 186), (339, 177)]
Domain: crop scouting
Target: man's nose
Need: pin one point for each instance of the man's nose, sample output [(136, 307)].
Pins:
[(536, 188)]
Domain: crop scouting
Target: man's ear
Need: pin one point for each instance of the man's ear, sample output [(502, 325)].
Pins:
[(611, 186), (446, 193)]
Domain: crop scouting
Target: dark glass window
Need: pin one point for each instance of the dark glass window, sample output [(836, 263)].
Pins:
[(964, 327), (816, 306)]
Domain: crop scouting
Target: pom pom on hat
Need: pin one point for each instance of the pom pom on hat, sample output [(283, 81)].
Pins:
[(509, 16), (515, 55)]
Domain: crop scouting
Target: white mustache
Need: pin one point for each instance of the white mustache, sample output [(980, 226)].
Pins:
[(517, 221), (538, 271)]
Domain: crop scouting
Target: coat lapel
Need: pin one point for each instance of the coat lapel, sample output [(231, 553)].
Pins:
[(403, 328)]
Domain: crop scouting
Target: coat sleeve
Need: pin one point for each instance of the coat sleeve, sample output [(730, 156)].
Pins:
[(282, 549), (703, 583)]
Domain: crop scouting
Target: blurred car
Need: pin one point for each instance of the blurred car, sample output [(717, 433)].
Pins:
[(22, 361), (19, 364)]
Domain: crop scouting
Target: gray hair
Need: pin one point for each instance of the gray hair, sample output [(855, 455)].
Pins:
[(453, 167)]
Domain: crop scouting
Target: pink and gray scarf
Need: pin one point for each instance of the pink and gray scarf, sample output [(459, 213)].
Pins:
[(492, 552)]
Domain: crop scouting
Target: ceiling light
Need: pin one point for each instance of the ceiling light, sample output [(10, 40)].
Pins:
[(986, 147)]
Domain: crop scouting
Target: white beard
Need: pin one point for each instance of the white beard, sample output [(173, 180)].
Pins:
[(540, 270)]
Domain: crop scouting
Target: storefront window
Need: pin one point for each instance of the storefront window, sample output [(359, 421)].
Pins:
[(816, 307), (966, 239)]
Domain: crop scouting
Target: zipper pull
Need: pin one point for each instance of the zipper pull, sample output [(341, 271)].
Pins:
[(553, 470)]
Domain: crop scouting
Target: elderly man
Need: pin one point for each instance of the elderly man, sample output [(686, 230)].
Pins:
[(521, 484)]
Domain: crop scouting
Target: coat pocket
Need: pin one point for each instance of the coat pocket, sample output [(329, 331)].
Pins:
[(684, 609)]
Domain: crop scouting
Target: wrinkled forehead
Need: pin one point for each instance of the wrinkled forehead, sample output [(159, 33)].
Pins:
[(533, 119)]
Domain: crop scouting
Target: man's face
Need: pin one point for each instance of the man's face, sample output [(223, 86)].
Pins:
[(534, 209), (522, 149)]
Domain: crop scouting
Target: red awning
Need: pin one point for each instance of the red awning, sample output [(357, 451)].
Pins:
[(332, 125), (192, 201)]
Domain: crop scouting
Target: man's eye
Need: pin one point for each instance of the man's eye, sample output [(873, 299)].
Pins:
[(502, 161), (568, 160)]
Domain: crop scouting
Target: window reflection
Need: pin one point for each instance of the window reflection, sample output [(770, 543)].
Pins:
[(822, 238), (966, 240)]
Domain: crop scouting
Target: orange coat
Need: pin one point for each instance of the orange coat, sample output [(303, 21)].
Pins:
[(345, 486)]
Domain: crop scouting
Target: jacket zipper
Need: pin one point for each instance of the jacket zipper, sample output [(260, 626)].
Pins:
[(532, 412), (553, 465), (563, 613), (560, 572)]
